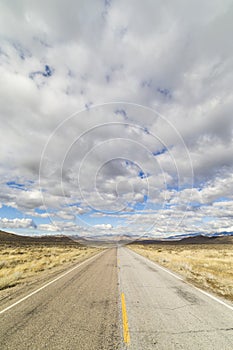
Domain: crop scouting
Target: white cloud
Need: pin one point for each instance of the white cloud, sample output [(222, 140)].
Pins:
[(17, 223), (103, 226), (61, 226), (172, 57), (65, 215), (48, 227)]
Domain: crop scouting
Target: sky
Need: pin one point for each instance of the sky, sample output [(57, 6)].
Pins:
[(116, 117)]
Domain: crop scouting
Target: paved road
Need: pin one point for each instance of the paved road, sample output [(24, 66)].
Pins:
[(166, 313), (83, 310), (77, 312)]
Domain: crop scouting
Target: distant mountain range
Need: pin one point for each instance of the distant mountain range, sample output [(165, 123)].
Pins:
[(6, 237), (195, 238), (111, 239), (198, 239)]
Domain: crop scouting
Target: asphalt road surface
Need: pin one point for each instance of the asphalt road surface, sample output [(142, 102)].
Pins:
[(165, 313), (77, 312), (116, 300)]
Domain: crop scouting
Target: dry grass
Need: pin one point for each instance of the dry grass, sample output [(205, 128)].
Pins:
[(207, 266), (19, 263)]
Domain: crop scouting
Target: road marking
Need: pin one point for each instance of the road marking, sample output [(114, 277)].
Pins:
[(48, 284), (125, 320), (213, 297), (166, 270), (157, 265), (181, 279), (118, 264)]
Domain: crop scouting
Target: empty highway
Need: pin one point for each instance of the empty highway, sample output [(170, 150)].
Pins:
[(116, 300)]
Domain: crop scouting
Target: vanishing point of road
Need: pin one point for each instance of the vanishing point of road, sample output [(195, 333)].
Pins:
[(116, 300)]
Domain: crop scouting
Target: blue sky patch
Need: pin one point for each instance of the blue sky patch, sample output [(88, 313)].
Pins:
[(143, 175), (16, 185), (165, 92), (48, 72), (162, 151), (10, 212)]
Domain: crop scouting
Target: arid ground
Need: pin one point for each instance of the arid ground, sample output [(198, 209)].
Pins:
[(209, 266), (24, 259)]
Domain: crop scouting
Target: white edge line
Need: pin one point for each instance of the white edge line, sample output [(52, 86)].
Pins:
[(157, 265), (168, 271), (47, 284), (212, 297), (181, 279)]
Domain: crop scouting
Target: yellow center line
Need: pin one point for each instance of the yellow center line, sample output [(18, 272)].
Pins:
[(125, 320)]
